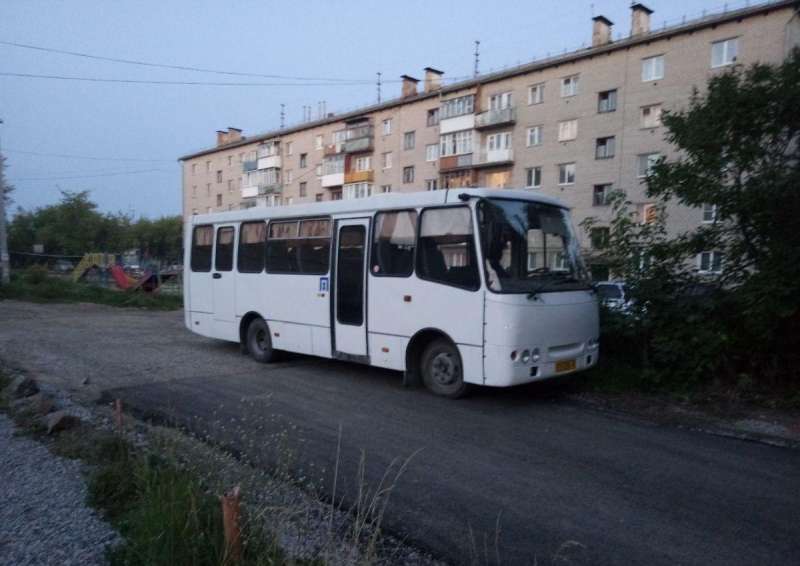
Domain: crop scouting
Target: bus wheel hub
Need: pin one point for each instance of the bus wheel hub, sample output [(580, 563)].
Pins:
[(443, 369)]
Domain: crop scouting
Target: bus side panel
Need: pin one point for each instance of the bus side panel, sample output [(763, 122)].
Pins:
[(403, 306), (472, 360), (387, 351), (300, 300)]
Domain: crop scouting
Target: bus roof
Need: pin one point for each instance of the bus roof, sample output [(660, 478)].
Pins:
[(383, 201)]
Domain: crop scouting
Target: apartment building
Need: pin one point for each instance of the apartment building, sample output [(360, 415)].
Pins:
[(574, 126)]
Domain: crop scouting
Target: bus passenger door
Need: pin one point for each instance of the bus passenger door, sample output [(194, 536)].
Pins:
[(349, 292), (223, 284)]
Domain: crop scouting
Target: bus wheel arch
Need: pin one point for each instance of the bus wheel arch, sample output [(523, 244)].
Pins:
[(416, 352), (254, 334)]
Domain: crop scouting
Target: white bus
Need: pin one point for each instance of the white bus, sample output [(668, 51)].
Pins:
[(453, 287)]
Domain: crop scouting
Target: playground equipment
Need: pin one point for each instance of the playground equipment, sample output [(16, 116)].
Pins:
[(149, 282)]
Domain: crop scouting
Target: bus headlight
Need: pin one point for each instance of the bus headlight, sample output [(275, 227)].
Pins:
[(514, 356), (525, 357), (535, 355), (592, 343)]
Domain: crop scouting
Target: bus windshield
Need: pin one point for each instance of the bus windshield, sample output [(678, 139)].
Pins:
[(529, 247)]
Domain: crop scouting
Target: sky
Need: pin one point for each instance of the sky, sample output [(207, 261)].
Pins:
[(135, 132)]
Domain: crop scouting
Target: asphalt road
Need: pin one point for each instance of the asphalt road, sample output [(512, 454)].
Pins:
[(545, 477)]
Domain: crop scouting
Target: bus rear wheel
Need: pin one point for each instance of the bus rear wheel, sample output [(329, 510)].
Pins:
[(442, 370), (259, 343)]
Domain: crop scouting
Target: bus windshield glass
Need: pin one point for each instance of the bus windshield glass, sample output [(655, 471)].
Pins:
[(529, 247)]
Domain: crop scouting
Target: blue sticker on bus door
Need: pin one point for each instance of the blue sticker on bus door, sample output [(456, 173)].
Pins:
[(323, 284)]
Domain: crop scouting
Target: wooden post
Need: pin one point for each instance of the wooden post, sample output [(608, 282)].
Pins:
[(230, 522), (118, 414)]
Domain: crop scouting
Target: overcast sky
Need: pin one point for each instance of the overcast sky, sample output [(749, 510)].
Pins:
[(145, 127)]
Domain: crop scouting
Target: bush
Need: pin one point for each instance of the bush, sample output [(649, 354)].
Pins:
[(35, 275)]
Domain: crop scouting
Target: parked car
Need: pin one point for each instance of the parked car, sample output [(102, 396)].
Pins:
[(613, 295), (63, 266)]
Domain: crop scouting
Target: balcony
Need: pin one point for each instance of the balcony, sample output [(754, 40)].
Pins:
[(494, 118), (333, 149), (269, 161), (249, 192), (332, 179), (457, 123), (454, 162), (359, 176), (270, 189), (249, 165), (494, 157), (358, 139)]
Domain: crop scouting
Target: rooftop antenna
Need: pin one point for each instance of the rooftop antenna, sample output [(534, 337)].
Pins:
[(477, 56), (378, 85), (283, 116)]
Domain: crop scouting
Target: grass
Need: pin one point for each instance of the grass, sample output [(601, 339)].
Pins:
[(36, 286)]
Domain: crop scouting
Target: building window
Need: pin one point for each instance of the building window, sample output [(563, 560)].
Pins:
[(318, 142), (194, 191), (446, 250), (303, 188), (208, 189), (600, 194), (500, 101), (457, 143), (318, 197), (219, 176), (653, 68), (710, 262), (318, 169), (433, 117), (289, 147), (303, 160), (394, 238), (219, 199), (432, 152), (431, 184), (409, 140), (386, 188), (288, 176), (533, 177), (387, 126), (230, 185), (567, 130), (536, 94), (208, 167), (194, 168), (645, 163), (566, 173), (498, 141), (386, 160), (333, 165), (457, 106), (230, 160), (355, 190), (709, 213), (650, 116), (408, 174), (604, 148), (534, 136), (336, 194), (724, 52), (607, 101), (569, 86), (599, 237), (363, 163)]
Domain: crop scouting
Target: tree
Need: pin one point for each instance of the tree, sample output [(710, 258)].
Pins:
[(739, 157)]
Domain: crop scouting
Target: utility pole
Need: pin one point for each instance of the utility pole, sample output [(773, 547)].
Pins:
[(477, 56), (283, 115), (379, 87), (5, 264)]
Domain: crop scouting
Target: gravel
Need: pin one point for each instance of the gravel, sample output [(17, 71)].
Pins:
[(43, 516)]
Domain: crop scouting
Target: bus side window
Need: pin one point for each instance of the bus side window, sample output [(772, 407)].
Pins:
[(314, 246), (223, 260), (447, 247), (282, 247), (252, 237), (393, 243), (202, 241)]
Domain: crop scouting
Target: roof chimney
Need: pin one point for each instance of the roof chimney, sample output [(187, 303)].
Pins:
[(234, 134), (601, 31), (433, 79), (409, 86), (222, 137), (640, 18)]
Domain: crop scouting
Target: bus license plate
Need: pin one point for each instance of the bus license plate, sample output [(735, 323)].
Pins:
[(565, 365)]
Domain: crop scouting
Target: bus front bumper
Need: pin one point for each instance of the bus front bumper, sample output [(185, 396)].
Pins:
[(509, 367)]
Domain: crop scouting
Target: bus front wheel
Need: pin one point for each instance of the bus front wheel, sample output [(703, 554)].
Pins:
[(442, 370), (259, 343)]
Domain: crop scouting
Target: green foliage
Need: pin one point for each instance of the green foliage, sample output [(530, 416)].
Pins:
[(74, 227), (35, 285), (739, 150)]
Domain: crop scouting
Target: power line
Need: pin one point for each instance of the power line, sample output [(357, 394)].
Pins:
[(92, 158), (175, 67), (188, 83), (91, 176)]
